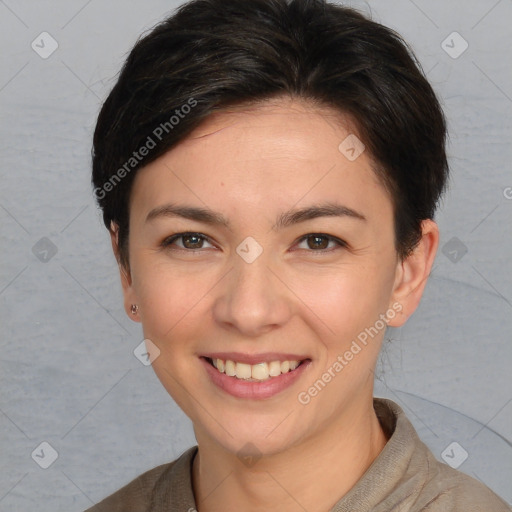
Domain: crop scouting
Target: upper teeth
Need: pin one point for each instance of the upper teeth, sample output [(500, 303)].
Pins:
[(260, 371)]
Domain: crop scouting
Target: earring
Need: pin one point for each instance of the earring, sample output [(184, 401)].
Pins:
[(134, 309)]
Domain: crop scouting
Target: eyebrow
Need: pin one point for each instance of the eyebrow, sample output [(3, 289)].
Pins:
[(284, 220)]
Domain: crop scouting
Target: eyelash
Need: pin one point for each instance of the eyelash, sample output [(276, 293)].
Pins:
[(171, 239)]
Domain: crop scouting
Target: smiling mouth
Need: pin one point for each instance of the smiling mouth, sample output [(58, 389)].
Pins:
[(259, 372)]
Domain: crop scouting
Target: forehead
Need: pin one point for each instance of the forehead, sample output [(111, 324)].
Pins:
[(281, 128), (269, 154)]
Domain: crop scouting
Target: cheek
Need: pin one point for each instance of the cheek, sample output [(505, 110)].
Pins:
[(169, 296), (174, 311), (346, 299)]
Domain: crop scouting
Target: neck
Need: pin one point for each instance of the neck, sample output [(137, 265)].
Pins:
[(311, 476)]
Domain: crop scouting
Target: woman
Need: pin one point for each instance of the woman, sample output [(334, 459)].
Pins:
[(269, 171)]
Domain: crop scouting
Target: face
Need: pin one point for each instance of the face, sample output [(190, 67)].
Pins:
[(253, 243)]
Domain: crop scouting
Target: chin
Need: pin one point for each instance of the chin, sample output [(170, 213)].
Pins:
[(256, 434)]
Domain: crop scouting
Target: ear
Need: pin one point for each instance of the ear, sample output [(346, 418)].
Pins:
[(130, 297), (412, 274)]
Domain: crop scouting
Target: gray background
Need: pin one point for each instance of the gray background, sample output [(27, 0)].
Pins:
[(68, 373)]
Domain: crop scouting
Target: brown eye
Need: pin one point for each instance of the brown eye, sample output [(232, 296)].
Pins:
[(190, 241), (318, 242)]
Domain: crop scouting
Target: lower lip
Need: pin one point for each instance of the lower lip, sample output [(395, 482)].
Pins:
[(254, 390)]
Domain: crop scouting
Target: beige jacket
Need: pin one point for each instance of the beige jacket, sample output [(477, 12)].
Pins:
[(405, 477)]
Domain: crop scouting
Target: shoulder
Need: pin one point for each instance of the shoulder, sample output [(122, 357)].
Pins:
[(447, 490), (149, 488), (416, 480), (136, 495)]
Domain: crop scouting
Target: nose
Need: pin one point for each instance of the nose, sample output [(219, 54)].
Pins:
[(252, 298)]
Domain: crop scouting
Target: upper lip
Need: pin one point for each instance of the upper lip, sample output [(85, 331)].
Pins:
[(264, 357)]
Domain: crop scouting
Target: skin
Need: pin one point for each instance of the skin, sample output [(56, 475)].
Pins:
[(251, 165)]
